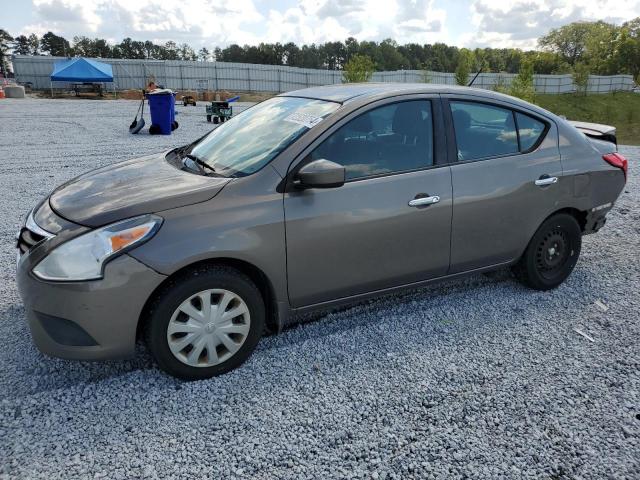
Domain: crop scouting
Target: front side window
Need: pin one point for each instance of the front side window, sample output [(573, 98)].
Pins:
[(483, 130), (389, 139), (253, 138)]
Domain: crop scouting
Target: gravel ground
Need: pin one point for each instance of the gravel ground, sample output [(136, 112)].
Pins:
[(479, 378)]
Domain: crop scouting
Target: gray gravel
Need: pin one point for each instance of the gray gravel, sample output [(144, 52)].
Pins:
[(479, 378)]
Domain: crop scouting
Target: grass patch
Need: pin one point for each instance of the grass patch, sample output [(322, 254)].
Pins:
[(622, 110)]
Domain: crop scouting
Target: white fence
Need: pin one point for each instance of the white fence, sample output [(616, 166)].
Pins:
[(247, 77)]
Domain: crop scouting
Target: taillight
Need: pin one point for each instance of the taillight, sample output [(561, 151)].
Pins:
[(617, 160)]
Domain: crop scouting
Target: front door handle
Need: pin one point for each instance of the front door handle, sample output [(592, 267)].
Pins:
[(546, 180), (418, 202)]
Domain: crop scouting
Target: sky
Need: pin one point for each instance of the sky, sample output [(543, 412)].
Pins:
[(211, 23)]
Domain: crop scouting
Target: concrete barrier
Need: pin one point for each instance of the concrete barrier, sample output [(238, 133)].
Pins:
[(14, 91)]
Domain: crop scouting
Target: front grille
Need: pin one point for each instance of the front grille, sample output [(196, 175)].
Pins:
[(28, 239)]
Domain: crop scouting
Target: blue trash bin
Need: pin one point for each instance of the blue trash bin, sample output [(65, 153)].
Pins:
[(162, 106)]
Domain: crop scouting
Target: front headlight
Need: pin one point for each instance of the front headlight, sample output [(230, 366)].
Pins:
[(83, 257)]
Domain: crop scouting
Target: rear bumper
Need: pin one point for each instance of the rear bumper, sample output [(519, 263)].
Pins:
[(93, 320)]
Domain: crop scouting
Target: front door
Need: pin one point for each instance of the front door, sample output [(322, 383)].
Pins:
[(365, 236)]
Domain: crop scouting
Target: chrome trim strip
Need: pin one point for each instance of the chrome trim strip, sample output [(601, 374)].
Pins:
[(35, 228)]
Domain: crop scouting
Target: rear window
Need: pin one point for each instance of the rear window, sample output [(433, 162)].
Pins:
[(529, 130), (483, 130)]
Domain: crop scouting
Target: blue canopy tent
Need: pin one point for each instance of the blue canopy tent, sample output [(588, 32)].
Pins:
[(81, 70)]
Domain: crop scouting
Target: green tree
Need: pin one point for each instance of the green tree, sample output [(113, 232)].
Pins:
[(500, 85), (5, 44), (592, 43), (185, 52), (21, 45), (569, 41), (626, 56), (204, 55), (522, 85), (56, 46), (581, 78), (359, 69), (463, 70)]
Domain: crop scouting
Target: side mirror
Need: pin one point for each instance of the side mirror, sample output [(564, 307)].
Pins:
[(320, 174)]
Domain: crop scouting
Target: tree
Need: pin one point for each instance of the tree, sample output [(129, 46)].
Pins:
[(83, 47), (34, 44), (569, 41), (101, 48), (21, 45), (585, 42), (500, 85), (581, 77), (390, 58), (185, 52), (359, 69), (626, 56), (464, 67), (204, 55), (56, 46), (5, 43), (522, 86)]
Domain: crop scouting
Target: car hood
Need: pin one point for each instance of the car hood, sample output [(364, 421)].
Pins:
[(133, 187)]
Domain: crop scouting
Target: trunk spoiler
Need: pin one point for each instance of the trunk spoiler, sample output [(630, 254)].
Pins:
[(597, 131)]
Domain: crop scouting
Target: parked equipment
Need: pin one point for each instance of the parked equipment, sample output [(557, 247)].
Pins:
[(219, 111), (188, 100)]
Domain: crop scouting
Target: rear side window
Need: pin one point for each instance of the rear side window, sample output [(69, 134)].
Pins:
[(483, 130), (529, 130), (389, 139)]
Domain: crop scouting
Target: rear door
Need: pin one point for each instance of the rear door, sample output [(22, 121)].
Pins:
[(505, 179), (365, 235)]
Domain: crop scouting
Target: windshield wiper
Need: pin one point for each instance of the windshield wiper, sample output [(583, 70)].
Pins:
[(200, 162)]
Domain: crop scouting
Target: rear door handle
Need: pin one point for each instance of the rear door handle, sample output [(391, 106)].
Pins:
[(417, 202), (546, 180)]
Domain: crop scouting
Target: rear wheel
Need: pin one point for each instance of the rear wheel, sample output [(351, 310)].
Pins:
[(552, 253), (208, 118), (205, 323), (215, 120)]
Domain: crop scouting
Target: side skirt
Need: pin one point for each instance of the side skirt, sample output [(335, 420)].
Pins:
[(286, 313)]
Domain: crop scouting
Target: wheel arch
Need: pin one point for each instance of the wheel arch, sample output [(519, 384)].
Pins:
[(579, 215), (274, 322)]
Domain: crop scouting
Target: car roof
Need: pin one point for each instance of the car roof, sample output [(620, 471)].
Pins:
[(344, 93)]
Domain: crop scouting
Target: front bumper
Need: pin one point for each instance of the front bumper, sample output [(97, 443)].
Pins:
[(91, 320)]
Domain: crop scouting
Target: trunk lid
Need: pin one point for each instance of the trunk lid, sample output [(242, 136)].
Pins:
[(597, 131)]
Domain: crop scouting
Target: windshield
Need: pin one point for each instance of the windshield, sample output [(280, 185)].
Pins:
[(253, 138)]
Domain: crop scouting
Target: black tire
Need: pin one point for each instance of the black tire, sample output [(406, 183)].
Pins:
[(179, 290), (215, 120), (184, 104), (208, 118), (154, 129), (551, 254), (174, 125)]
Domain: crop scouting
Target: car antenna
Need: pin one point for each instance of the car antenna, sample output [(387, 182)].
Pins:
[(474, 78)]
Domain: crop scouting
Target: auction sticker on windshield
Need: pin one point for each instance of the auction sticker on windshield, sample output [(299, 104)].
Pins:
[(303, 119)]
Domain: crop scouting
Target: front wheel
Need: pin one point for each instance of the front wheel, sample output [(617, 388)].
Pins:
[(551, 254), (205, 323)]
